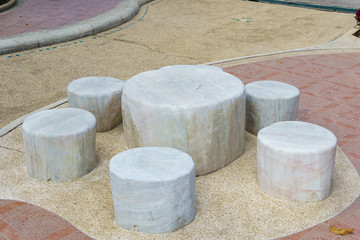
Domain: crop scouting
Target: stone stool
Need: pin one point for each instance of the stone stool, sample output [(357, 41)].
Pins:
[(99, 95), (295, 161), (199, 110), (268, 102), (153, 189), (59, 144)]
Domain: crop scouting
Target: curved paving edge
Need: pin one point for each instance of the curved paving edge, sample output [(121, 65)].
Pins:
[(22, 220), (122, 13), (14, 124)]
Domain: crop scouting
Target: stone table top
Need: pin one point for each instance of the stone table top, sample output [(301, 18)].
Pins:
[(297, 136), (151, 164), (271, 90), (183, 87)]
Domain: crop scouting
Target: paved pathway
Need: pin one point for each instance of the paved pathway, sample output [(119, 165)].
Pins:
[(330, 97), (34, 15), (24, 221)]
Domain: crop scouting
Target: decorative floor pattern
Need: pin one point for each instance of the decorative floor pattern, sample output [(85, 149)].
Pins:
[(20, 220), (37, 15), (330, 97)]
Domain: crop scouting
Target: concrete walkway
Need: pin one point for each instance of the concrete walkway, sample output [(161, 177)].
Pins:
[(35, 15), (327, 80), (38, 23)]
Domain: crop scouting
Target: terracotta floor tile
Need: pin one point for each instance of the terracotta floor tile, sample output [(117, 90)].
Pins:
[(354, 102), (330, 60), (346, 79), (342, 114), (9, 232), (27, 24), (8, 207), (312, 102), (288, 63), (320, 232), (314, 71), (346, 138), (298, 235), (53, 23), (74, 236), (4, 202), (68, 233), (355, 66), (353, 147), (15, 30), (351, 215), (61, 233), (71, 14), (339, 224), (34, 222), (253, 70), (332, 92), (294, 79)]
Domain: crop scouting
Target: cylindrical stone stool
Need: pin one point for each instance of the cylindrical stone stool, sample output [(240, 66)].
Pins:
[(153, 189), (199, 110), (268, 102), (59, 144), (99, 95), (295, 161)]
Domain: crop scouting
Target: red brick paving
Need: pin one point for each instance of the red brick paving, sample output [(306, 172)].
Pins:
[(330, 97), (20, 220), (34, 15)]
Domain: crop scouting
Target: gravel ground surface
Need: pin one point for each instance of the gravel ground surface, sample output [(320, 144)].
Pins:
[(230, 205)]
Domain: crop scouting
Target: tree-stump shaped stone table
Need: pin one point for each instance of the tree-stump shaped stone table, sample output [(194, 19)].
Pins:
[(199, 110), (268, 102), (99, 95), (295, 161), (59, 144), (153, 189)]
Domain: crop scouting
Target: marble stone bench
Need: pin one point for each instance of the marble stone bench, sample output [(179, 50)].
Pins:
[(99, 95), (295, 161), (153, 189), (59, 144), (268, 102), (199, 110)]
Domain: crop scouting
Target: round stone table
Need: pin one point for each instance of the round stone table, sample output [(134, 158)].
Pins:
[(153, 189), (199, 110), (295, 161), (59, 144), (99, 95), (268, 102)]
